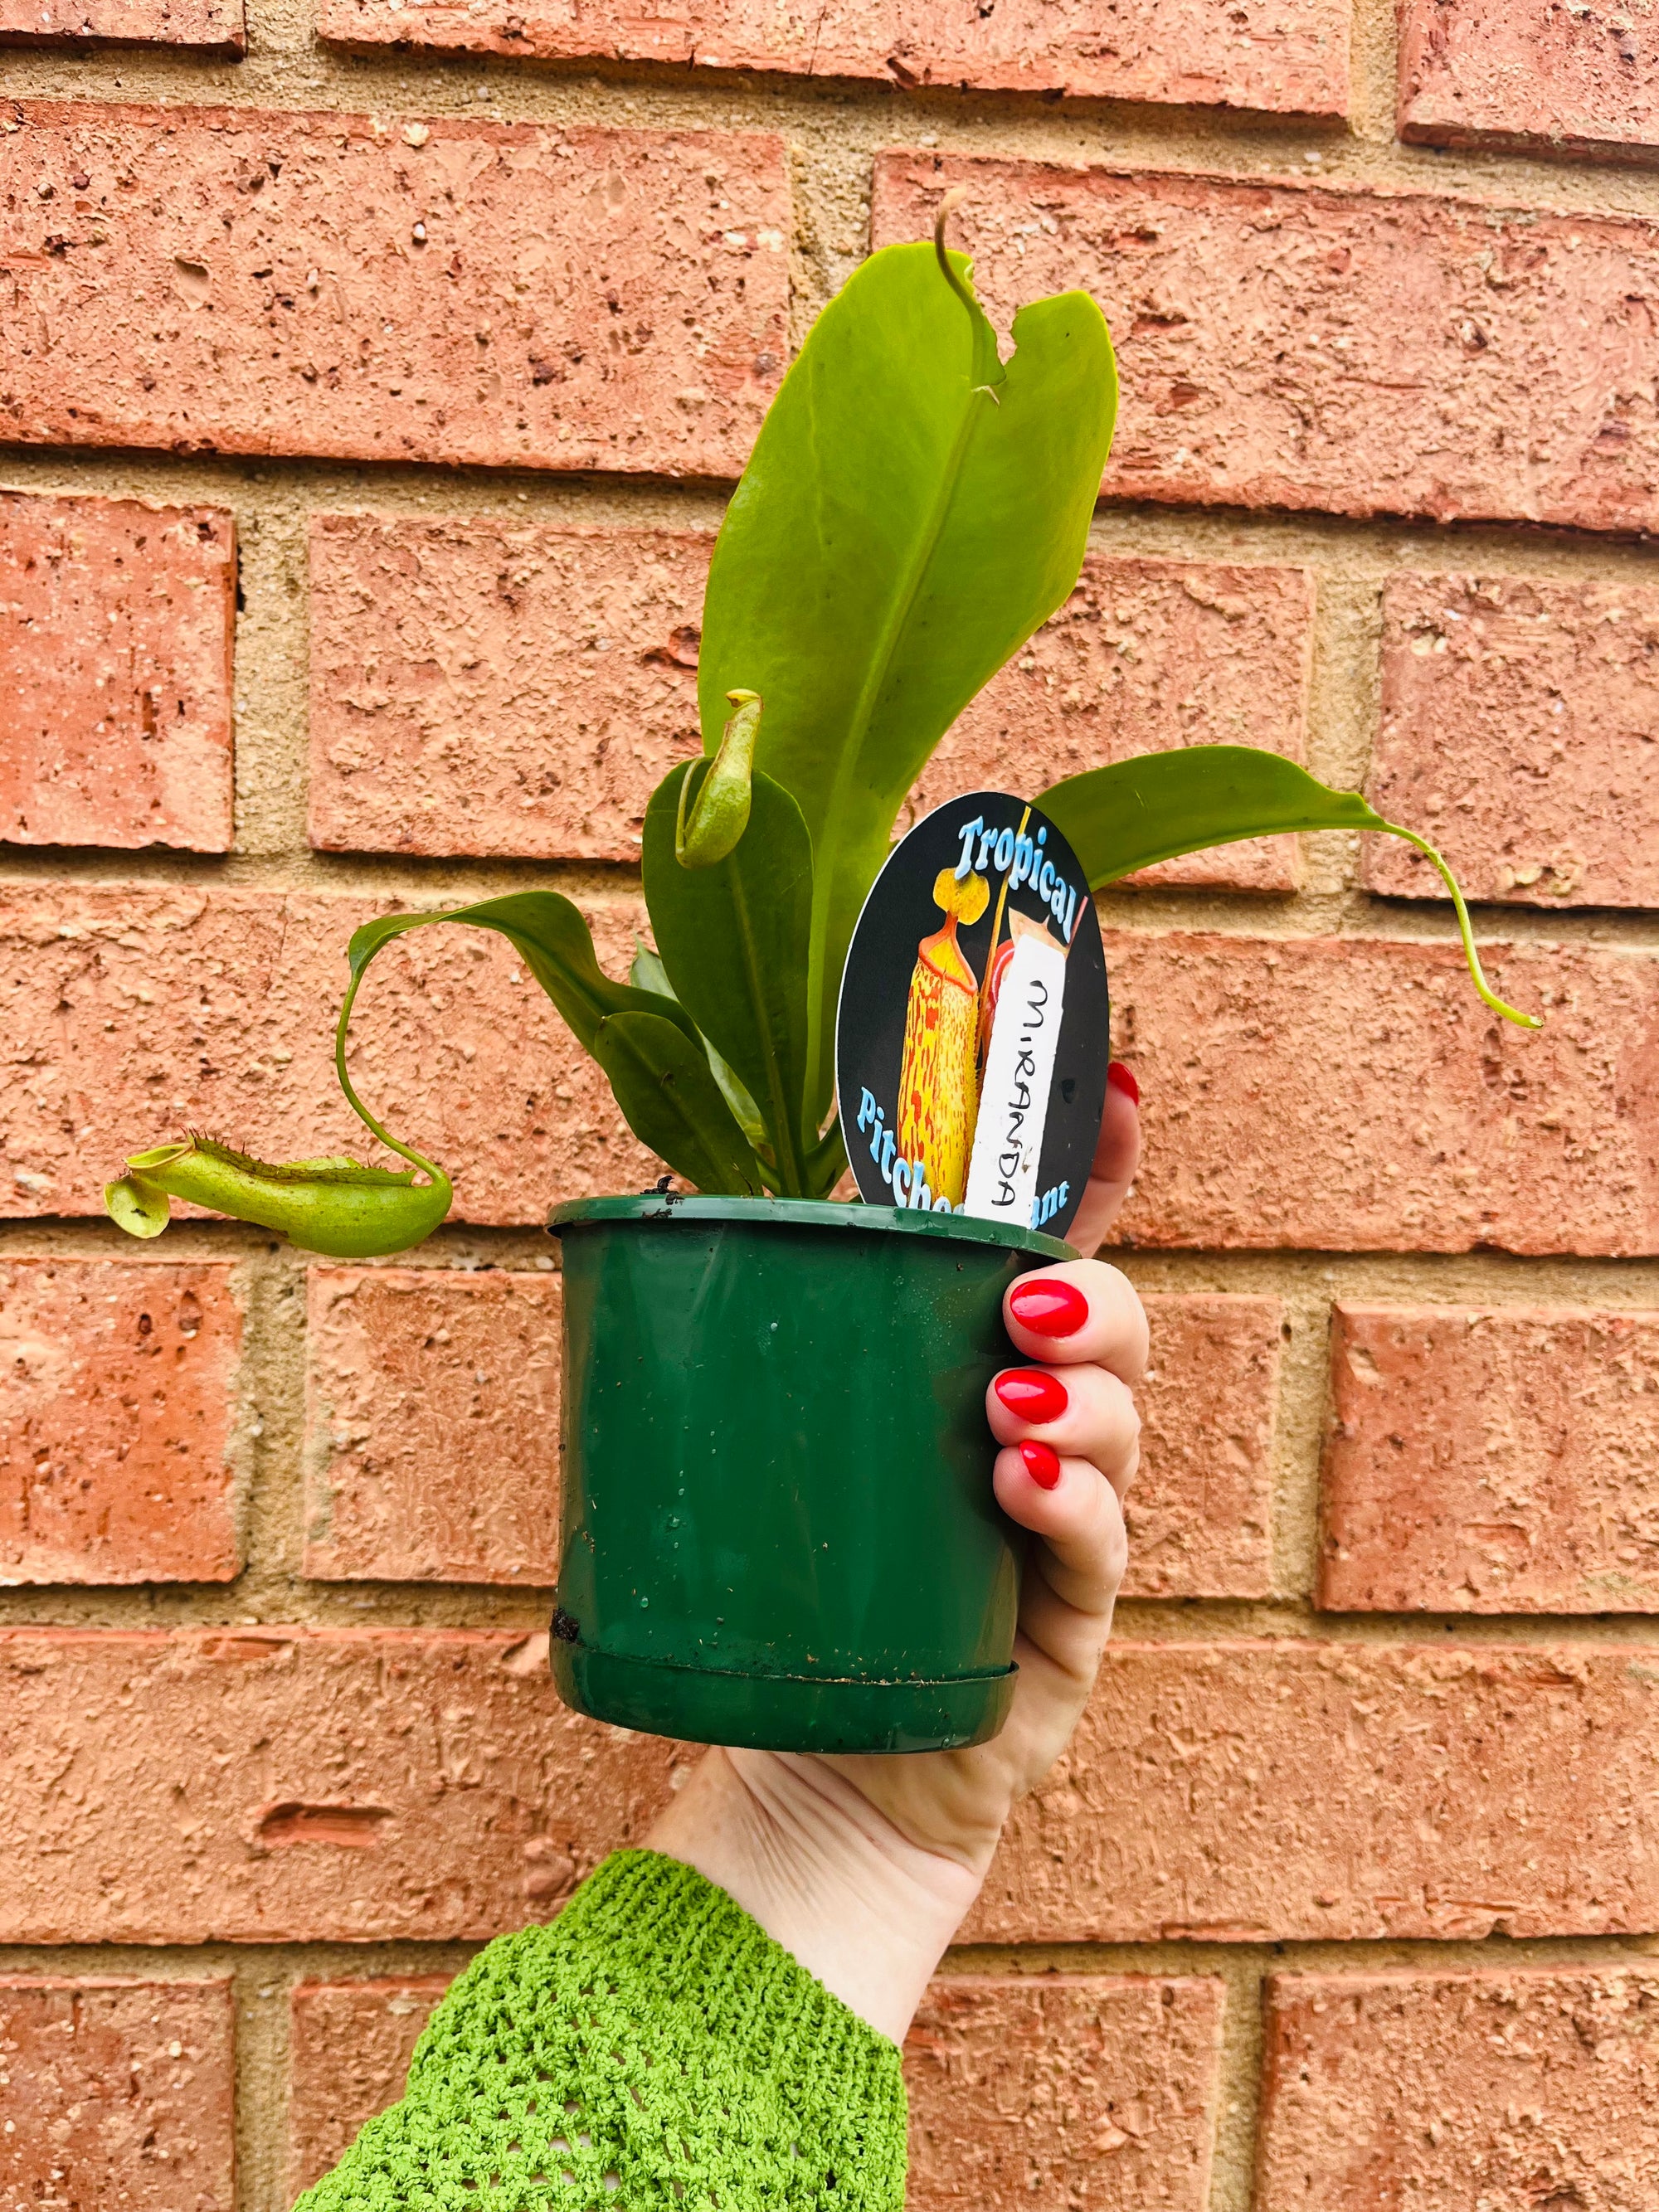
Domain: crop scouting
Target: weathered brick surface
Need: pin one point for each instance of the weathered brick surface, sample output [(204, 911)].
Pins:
[(1518, 729), (350, 2045), (1200, 52), (1533, 74), (1492, 1461), (1146, 655), (1092, 2090), (1508, 2090), (117, 2092), (270, 1784), (1199, 1511), (128, 1013), (498, 686), (1370, 353), (1346, 1093), (1353, 1094), (1248, 1791), (432, 1425), (1086, 2091), (432, 1434), (116, 625), (115, 1421), (216, 25), (390, 290)]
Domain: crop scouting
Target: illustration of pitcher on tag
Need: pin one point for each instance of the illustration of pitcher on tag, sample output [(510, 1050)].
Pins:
[(938, 1075)]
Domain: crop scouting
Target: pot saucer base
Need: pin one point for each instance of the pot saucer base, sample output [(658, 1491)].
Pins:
[(782, 1712)]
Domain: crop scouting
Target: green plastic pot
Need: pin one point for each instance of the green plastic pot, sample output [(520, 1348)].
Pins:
[(778, 1524)]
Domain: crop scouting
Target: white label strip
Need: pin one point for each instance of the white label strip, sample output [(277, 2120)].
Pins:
[(1019, 1068)]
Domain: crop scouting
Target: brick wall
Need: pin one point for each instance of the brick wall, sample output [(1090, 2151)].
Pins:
[(371, 379)]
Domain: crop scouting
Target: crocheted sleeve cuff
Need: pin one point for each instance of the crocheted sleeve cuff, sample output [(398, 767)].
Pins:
[(653, 2047), (658, 1925)]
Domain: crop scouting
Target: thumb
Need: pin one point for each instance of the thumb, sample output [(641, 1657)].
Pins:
[(1117, 1155)]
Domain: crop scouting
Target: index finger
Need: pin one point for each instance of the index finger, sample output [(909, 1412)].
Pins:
[(1078, 1309)]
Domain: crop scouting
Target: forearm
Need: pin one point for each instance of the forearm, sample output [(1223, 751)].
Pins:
[(866, 1912)]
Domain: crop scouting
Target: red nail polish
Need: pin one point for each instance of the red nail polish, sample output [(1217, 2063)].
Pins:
[(1121, 1078), (1031, 1394), (1049, 1308), (1042, 1464)]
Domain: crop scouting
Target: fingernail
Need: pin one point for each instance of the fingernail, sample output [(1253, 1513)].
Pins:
[(1123, 1078), (1042, 1464), (1031, 1394), (1049, 1308)]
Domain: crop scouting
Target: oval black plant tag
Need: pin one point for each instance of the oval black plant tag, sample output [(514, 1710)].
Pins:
[(973, 1035)]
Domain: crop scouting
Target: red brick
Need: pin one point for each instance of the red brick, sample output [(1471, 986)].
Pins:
[(130, 1012), (1298, 1790), (1353, 1094), (1492, 1461), (1200, 1512), (1366, 352), (1095, 2092), (119, 2094), (1518, 723), (432, 1425), (447, 656), (350, 2045), (115, 1424), (1512, 2090), (1201, 52), (1536, 74), (498, 686), (1347, 1094), (116, 627), (432, 1419), (278, 1784), (217, 26), (259, 282), (1144, 656), (433, 1414)]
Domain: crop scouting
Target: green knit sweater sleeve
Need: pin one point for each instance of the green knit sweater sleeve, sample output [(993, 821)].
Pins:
[(653, 2050)]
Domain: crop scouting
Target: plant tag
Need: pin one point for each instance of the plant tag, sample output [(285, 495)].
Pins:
[(973, 1034)]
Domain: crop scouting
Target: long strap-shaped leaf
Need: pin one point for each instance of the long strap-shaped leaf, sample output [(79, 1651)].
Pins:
[(647, 1045), (555, 944), (665, 1086), (913, 510), (733, 937), (1157, 806)]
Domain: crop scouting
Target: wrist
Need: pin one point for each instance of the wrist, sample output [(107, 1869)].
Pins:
[(865, 1910)]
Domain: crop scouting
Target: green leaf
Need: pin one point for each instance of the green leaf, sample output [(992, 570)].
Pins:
[(913, 510), (647, 973), (826, 1163), (664, 1087), (1157, 806), (734, 938), (554, 941), (333, 1207), (555, 944), (338, 1207)]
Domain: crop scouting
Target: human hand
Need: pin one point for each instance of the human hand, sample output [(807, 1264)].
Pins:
[(864, 1866)]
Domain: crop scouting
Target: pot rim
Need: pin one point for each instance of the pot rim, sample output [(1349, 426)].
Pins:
[(847, 1216)]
